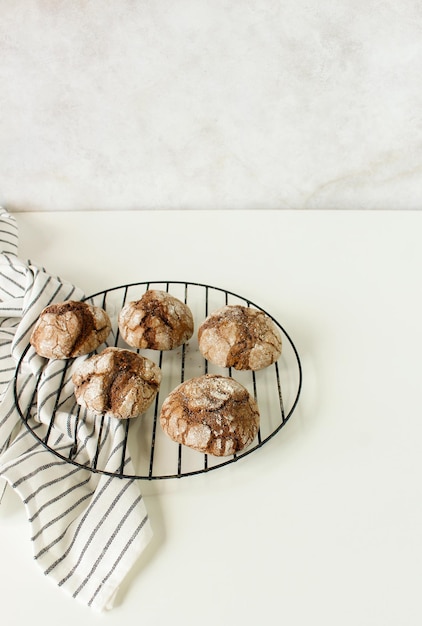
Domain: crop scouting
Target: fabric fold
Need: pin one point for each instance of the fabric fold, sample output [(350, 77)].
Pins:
[(87, 528)]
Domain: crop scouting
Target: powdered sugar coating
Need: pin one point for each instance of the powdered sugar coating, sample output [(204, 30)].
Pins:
[(117, 382), (157, 321), (70, 329), (240, 337), (212, 414)]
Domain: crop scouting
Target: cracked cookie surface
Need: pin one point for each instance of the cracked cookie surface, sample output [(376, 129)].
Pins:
[(69, 329), (157, 321), (240, 337), (117, 382), (212, 414)]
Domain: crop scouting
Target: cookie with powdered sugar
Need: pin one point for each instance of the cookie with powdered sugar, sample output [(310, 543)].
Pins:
[(158, 321), (116, 382), (240, 337), (212, 414), (70, 329)]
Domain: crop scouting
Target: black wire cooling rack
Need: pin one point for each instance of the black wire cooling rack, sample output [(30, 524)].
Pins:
[(138, 448)]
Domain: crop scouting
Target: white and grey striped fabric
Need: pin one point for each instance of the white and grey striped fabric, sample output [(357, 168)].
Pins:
[(87, 529)]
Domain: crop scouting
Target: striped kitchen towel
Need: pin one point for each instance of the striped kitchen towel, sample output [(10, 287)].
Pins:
[(87, 528)]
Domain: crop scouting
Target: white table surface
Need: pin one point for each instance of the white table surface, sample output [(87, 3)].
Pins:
[(323, 524)]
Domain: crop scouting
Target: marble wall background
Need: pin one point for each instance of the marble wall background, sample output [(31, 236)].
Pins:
[(210, 104)]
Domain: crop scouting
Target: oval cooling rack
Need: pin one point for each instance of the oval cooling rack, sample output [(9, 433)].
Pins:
[(138, 448)]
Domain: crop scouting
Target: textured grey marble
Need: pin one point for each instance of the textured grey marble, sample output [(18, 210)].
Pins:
[(211, 104)]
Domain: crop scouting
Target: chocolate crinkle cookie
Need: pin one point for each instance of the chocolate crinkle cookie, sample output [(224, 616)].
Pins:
[(212, 414), (70, 329), (157, 321), (240, 337), (116, 382)]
